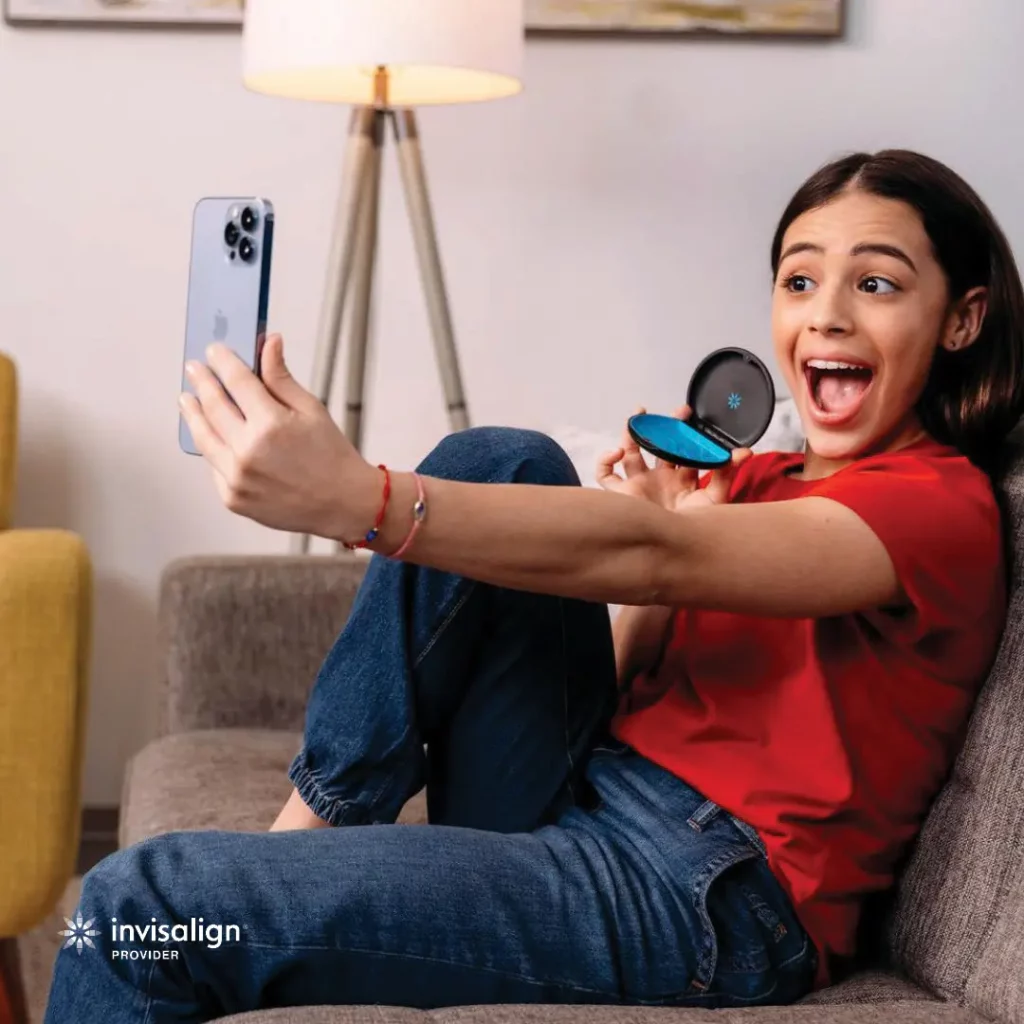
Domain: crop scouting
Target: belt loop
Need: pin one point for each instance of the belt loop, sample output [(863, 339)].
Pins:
[(705, 813)]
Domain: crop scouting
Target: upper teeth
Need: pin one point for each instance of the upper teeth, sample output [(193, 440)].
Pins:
[(825, 364)]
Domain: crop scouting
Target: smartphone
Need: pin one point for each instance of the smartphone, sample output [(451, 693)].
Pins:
[(228, 284)]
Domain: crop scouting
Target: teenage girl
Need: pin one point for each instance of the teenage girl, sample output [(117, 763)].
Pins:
[(689, 808)]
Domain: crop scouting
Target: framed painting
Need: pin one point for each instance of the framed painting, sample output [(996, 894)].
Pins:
[(745, 17), (739, 17), (129, 12)]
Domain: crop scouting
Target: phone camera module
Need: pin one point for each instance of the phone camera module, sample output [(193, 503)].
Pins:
[(247, 250), (250, 218), (231, 233)]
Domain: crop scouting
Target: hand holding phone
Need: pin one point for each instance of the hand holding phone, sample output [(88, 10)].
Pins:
[(229, 284)]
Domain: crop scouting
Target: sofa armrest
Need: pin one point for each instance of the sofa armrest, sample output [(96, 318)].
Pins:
[(45, 629), (243, 637)]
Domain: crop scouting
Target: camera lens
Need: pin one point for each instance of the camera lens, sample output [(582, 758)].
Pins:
[(249, 218), (231, 233), (247, 250)]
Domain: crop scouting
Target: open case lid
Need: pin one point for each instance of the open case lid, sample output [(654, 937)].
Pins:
[(732, 397)]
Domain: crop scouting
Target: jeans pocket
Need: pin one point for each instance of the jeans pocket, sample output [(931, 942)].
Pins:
[(702, 989), (764, 955)]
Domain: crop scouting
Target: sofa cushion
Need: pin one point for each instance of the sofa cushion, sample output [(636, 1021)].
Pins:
[(869, 986), (230, 779), (996, 988), (953, 926), (879, 1013)]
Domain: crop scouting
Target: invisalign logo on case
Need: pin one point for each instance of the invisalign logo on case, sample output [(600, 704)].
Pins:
[(735, 400)]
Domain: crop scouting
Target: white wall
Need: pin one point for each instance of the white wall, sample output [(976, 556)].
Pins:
[(600, 233)]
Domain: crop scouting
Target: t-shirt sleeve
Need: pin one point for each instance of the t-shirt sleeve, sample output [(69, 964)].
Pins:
[(940, 524)]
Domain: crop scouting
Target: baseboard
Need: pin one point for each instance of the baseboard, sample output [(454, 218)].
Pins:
[(99, 836)]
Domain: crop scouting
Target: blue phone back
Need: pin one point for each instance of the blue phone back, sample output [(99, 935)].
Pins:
[(227, 294)]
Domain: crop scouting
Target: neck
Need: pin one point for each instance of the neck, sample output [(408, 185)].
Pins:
[(817, 467)]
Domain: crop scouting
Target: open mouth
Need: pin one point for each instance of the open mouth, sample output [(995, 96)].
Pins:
[(837, 389)]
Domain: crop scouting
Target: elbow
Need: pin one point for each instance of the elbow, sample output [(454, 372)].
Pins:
[(668, 567)]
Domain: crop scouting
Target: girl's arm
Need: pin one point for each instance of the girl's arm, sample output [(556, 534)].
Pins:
[(278, 458), (640, 636), (806, 558)]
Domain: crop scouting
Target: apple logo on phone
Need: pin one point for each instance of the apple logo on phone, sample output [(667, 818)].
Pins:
[(220, 326)]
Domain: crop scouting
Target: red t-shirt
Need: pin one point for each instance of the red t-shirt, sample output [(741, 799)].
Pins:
[(832, 736)]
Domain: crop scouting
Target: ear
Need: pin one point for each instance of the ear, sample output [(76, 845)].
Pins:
[(965, 320)]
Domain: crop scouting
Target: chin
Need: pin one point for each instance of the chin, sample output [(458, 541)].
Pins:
[(837, 446)]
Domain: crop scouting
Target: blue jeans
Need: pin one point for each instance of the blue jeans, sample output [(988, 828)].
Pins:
[(559, 866)]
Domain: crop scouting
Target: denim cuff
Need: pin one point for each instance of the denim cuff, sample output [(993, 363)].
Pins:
[(334, 812)]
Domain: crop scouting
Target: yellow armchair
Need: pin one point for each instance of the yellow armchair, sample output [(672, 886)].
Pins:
[(45, 616)]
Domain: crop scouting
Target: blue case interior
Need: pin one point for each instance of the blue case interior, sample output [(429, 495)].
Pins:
[(674, 440)]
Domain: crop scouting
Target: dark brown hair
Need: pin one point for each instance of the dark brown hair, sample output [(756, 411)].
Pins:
[(974, 397)]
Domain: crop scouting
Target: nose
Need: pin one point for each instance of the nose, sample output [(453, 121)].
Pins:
[(830, 314)]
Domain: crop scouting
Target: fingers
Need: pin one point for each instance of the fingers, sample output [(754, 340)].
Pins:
[(240, 382), (210, 444), (720, 485), (278, 378), (606, 475), (632, 458), (218, 410)]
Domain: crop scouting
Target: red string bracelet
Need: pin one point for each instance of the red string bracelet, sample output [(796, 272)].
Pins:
[(372, 535), (419, 513)]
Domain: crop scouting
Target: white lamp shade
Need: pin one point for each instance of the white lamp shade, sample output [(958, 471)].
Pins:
[(435, 51)]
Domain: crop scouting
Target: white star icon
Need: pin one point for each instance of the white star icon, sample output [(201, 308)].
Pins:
[(79, 933)]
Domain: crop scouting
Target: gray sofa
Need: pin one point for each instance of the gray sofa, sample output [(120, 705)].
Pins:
[(242, 639)]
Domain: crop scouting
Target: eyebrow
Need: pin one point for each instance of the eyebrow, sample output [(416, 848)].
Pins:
[(878, 248)]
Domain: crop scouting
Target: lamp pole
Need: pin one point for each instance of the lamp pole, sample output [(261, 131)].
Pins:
[(353, 258)]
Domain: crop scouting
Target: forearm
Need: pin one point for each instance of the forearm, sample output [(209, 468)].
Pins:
[(570, 541), (772, 558), (640, 636)]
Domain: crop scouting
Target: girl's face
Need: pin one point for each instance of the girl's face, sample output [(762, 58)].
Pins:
[(860, 305)]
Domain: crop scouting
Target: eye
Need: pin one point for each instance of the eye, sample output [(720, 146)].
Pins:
[(878, 286), (798, 283)]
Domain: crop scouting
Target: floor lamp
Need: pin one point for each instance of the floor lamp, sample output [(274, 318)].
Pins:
[(384, 57)]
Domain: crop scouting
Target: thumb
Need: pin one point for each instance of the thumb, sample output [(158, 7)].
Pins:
[(277, 377), (720, 485)]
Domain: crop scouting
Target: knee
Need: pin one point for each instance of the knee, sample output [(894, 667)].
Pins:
[(501, 455), (122, 887)]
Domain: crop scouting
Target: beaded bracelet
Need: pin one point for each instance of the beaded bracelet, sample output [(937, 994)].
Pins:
[(419, 513), (372, 535)]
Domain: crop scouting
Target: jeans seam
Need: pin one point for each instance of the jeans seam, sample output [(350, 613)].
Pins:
[(149, 993), (796, 956), (448, 962), (722, 994), (436, 635)]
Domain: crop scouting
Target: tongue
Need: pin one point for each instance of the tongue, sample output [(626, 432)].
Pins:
[(840, 392)]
